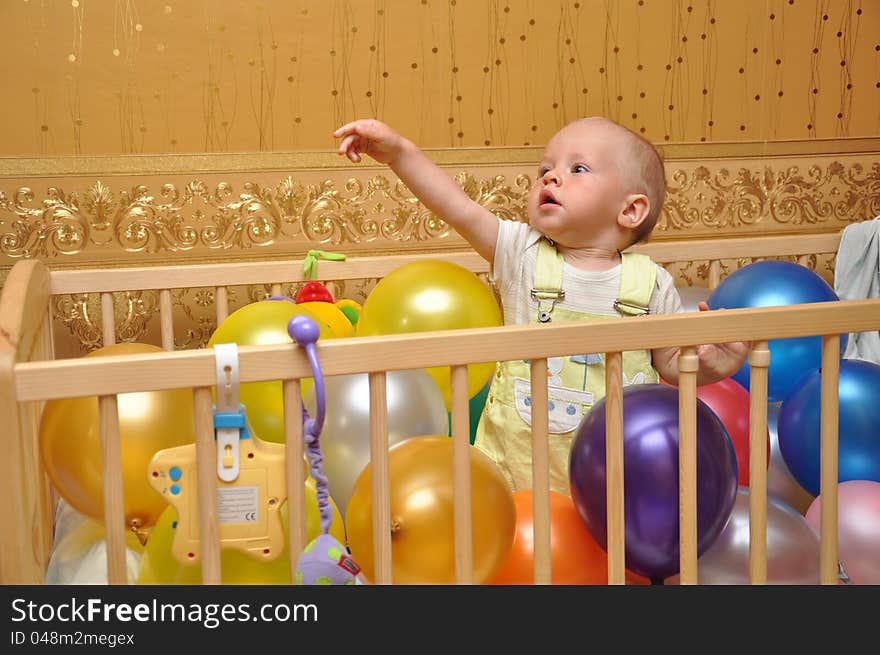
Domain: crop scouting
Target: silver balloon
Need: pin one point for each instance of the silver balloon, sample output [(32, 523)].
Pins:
[(415, 407), (792, 548), (690, 296), (780, 482)]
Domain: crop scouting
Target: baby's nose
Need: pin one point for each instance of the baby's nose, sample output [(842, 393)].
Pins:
[(550, 177)]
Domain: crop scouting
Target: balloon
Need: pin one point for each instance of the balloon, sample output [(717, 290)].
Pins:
[(650, 444), (159, 566), (691, 296), (422, 540), (858, 436), (575, 557), (780, 481), (730, 401), (792, 548), (415, 407), (263, 323), (475, 411), (432, 295), (70, 443), (79, 553), (774, 283), (858, 529)]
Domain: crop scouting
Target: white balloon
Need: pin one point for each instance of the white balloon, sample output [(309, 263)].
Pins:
[(690, 296), (415, 408), (792, 548)]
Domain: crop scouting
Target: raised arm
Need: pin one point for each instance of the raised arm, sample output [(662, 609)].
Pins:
[(431, 185)]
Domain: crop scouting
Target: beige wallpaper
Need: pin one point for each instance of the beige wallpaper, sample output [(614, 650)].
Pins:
[(198, 76)]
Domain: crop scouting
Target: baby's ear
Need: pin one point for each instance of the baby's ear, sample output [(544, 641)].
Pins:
[(634, 212)]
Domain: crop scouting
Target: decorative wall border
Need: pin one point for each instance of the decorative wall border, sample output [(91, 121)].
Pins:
[(134, 210), (127, 210)]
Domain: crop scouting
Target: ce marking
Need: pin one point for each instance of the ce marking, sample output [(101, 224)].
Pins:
[(250, 516)]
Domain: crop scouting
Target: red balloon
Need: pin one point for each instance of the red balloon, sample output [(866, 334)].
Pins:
[(575, 557), (730, 401)]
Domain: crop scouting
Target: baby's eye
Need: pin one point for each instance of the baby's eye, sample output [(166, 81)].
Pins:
[(579, 168)]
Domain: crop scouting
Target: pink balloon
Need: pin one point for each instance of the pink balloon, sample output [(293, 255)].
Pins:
[(858, 528)]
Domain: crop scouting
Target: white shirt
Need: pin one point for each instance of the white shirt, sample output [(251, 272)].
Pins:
[(592, 292)]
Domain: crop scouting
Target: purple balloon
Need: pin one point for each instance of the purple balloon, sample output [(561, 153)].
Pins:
[(650, 452)]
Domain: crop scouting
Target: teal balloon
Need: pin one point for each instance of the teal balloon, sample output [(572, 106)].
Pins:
[(475, 411)]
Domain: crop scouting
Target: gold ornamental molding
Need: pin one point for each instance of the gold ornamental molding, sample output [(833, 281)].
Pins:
[(135, 209)]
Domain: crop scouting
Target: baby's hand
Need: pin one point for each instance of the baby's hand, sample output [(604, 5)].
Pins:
[(721, 360), (371, 137)]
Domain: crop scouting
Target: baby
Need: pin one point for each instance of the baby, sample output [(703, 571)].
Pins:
[(599, 189)]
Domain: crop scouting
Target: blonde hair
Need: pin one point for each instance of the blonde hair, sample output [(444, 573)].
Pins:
[(643, 163)]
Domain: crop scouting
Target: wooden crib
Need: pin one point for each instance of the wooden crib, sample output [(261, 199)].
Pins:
[(29, 376)]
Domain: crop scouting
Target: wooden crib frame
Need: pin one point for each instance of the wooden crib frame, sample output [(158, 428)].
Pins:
[(29, 376)]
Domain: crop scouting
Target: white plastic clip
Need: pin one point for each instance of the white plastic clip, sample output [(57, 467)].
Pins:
[(229, 419)]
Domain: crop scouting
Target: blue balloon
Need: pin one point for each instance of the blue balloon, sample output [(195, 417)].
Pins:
[(857, 426), (774, 283), (650, 481)]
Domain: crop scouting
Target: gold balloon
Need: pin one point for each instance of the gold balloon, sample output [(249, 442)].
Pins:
[(159, 566), (422, 533), (263, 323), (432, 295), (331, 315), (70, 443)]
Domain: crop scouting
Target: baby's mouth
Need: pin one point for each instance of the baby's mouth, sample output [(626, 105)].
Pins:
[(546, 199)]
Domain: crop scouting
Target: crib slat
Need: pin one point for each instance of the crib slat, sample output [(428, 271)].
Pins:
[(108, 321), (614, 468), (714, 273), (276, 289), (828, 445), (381, 486), (166, 319), (206, 472), (540, 471), (114, 507), (759, 362), (688, 365), (461, 477), (221, 301), (296, 499)]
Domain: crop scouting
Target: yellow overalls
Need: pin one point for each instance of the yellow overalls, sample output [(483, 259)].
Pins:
[(575, 383)]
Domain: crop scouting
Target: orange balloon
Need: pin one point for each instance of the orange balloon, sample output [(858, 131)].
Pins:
[(70, 443), (422, 533), (575, 557)]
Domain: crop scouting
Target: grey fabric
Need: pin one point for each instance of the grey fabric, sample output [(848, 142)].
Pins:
[(857, 276)]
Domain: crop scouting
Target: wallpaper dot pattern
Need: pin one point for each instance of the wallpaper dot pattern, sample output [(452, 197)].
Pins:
[(145, 76)]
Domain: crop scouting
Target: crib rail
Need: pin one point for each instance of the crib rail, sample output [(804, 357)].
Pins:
[(108, 376), (29, 377)]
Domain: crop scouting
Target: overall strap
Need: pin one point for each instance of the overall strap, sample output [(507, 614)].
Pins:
[(638, 275), (547, 282)]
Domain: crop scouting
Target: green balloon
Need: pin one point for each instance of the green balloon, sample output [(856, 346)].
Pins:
[(475, 410)]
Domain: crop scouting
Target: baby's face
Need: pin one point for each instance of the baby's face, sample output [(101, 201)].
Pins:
[(579, 192)]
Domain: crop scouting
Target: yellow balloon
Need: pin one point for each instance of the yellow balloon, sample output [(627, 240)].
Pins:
[(432, 295), (159, 566), (70, 443), (332, 316), (262, 323), (422, 533)]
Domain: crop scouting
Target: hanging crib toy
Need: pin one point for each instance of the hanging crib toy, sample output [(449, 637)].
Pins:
[(251, 478)]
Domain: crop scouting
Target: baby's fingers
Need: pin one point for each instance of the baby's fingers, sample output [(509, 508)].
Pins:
[(348, 128), (349, 147)]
